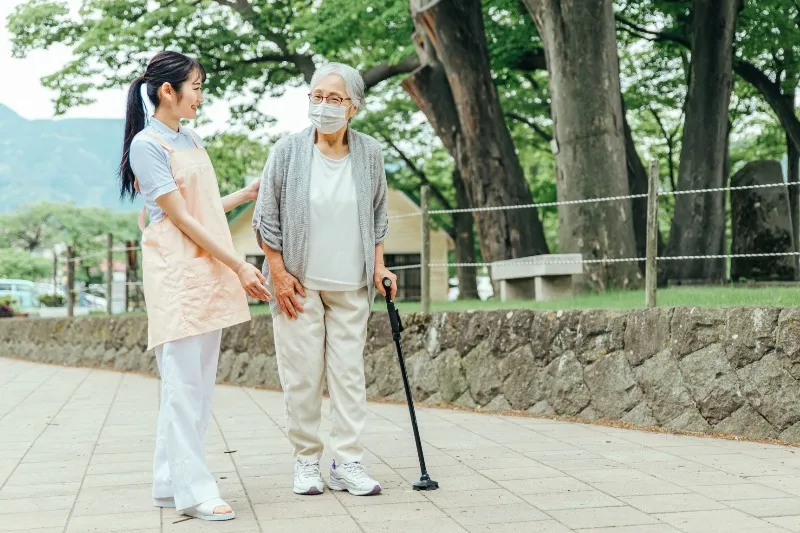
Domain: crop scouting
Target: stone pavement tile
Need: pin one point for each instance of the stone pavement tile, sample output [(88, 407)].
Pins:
[(543, 526), (576, 465), (43, 519), (768, 507), (35, 505), (602, 517), (43, 490), (496, 514), (553, 485), (245, 522), (550, 445), (445, 472), (35, 478), (551, 457), (691, 452), (789, 523), (392, 495), (790, 484), (113, 500), (621, 474), (678, 464), (525, 472), (688, 479), (142, 476), (283, 495), (719, 521), (744, 491), (471, 482), (468, 498), (318, 524), (572, 500), (412, 461), (644, 487), (288, 510), (642, 455), (654, 528), (672, 503), (498, 462), (743, 465), (390, 512), (440, 524), (138, 520), (537, 443), (52, 467)]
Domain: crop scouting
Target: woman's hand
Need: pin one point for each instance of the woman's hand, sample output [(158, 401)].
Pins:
[(251, 191), (286, 290), (382, 272), (253, 282)]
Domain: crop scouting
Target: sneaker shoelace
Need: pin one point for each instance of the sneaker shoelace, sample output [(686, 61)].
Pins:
[(356, 471), (308, 470)]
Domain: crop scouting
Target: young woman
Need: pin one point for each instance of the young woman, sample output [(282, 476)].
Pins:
[(194, 285)]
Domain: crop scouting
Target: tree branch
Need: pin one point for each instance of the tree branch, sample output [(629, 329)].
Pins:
[(660, 36), (419, 173), (543, 133), (384, 71)]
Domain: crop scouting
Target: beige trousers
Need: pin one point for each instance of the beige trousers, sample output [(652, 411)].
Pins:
[(329, 335)]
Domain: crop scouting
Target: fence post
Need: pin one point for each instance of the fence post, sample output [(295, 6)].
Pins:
[(109, 273), (425, 256), (55, 272), (651, 266), (70, 281)]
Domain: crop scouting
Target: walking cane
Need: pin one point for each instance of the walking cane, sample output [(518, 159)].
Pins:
[(425, 482)]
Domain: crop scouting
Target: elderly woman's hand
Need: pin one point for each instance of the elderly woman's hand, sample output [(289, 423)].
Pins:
[(382, 272), (287, 287)]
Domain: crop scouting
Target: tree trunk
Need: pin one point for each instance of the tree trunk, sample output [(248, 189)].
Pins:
[(465, 243), (700, 218), (580, 45), (455, 90), (793, 176)]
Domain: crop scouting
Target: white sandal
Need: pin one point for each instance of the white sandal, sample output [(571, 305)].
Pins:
[(166, 503), (205, 511)]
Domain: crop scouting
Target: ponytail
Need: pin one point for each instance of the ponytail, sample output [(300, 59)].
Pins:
[(134, 123), (165, 67)]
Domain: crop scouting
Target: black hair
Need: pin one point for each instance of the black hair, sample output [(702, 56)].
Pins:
[(165, 67)]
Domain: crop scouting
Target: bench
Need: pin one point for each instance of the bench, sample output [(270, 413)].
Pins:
[(538, 277)]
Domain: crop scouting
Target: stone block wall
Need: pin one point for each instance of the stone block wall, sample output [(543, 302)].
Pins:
[(707, 370)]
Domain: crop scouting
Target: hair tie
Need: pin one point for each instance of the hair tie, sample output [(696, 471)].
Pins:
[(147, 105)]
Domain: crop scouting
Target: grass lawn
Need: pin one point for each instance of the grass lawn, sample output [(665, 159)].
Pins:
[(672, 297)]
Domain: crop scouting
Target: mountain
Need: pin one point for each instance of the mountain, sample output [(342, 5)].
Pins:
[(59, 161)]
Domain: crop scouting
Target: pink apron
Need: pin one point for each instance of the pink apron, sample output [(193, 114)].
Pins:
[(186, 290)]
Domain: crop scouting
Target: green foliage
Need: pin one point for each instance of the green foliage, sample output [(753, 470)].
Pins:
[(19, 264), (52, 300), (236, 158)]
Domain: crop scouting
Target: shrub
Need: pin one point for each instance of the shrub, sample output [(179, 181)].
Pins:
[(52, 300)]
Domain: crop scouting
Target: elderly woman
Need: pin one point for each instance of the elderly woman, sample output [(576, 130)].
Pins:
[(321, 218)]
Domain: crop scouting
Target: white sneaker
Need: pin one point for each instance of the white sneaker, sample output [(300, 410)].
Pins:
[(307, 478), (352, 478)]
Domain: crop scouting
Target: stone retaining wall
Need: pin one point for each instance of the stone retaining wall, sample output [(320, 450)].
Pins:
[(722, 370)]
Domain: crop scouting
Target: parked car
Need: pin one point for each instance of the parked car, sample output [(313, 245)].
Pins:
[(23, 293), (485, 289)]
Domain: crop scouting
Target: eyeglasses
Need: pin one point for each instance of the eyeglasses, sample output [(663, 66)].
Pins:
[(332, 100)]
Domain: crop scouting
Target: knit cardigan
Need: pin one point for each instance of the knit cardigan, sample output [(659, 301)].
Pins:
[(283, 207)]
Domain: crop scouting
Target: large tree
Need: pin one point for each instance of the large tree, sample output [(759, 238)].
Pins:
[(586, 105), (699, 223), (455, 90)]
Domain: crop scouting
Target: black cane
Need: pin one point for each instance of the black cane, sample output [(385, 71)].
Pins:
[(425, 482)]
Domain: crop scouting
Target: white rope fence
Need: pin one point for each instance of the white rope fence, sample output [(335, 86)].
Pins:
[(588, 200)]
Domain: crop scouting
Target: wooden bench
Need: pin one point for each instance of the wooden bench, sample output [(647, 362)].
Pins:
[(538, 277)]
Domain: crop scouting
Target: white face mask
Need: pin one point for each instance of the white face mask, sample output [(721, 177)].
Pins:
[(327, 118)]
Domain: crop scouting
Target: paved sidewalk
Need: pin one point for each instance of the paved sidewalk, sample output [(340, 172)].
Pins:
[(76, 445)]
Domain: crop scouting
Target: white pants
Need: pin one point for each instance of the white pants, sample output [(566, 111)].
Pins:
[(328, 335), (188, 369)]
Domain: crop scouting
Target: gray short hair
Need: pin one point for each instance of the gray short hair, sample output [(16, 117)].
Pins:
[(353, 82)]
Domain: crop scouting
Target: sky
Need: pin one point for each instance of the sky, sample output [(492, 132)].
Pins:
[(22, 90)]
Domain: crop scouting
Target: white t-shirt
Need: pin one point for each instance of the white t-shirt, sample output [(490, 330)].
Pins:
[(336, 259)]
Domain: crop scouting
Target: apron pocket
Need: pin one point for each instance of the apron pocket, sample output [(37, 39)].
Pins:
[(200, 290)]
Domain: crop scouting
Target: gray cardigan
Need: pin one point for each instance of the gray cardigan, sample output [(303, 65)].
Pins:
[(283, 207)]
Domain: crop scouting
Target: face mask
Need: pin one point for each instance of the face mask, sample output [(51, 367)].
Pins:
[(327, 118)]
